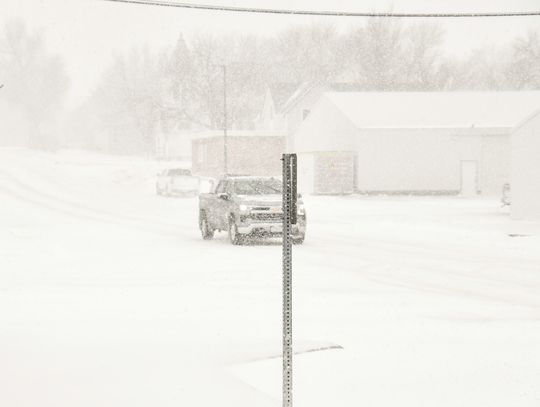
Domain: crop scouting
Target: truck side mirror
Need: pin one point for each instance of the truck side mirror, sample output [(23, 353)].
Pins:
[(223, 196)]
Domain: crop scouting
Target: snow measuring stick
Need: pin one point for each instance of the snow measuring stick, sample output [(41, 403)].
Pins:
[(289, 218)]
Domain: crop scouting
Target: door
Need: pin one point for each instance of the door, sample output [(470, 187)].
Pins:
[(469, 178), (223, 206), (215, 207)]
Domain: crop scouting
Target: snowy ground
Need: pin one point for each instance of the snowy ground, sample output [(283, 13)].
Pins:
[(108, 297)]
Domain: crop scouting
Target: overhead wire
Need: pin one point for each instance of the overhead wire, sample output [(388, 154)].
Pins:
[(327, 13)]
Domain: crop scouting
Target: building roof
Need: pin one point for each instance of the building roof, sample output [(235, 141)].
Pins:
[(281, 92), (435, 109), (236, 133), (527, 119), (306, 87)]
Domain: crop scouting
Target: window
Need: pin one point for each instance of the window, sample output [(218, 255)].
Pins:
[(221, 187), (178, 172), (257, 187), (228, 187)]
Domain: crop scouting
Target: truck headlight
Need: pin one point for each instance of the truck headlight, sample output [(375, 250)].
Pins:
[(244, 208)]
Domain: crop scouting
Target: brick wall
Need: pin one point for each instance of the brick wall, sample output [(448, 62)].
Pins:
[(247, 155)]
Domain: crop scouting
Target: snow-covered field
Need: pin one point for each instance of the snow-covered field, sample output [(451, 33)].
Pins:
[(109, 297)]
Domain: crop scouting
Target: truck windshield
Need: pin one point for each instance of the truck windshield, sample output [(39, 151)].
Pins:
[(178, 172), (257, 187)]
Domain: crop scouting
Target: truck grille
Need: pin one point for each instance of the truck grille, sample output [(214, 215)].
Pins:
[(266, 216)]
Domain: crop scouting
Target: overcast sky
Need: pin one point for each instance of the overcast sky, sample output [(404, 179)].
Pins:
[(88, 32)]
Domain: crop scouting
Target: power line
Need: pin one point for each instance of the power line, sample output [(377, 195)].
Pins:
[(163, 3)]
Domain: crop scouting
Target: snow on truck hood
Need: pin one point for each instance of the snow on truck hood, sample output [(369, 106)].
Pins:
[(269, 200)]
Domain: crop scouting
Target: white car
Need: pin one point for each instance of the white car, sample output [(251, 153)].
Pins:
[(506, 196), (177, 181)]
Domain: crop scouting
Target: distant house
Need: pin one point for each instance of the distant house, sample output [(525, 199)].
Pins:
[(271, 116), (287, 105), (174, 145), (525, 174), (248, 153), (410, 142)]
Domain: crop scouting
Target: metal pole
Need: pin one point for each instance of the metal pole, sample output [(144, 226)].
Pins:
[(225, 164), (288, 206)]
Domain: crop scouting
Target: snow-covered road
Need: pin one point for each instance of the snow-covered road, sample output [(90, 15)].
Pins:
[(109, 297)]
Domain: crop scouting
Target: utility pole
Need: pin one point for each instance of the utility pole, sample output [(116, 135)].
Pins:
[(225, 158)]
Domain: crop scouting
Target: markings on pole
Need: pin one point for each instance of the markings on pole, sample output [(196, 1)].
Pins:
[(289, 198)]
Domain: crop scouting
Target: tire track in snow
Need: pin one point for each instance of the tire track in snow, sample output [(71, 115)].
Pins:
[(29, 195), (370, 267), (74, 204), (442, 255)]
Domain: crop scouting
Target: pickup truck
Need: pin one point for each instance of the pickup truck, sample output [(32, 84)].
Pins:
[(247, 207)]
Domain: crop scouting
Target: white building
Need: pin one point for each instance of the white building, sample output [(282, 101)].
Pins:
[(525, 173), (287, 105), (410, 142)]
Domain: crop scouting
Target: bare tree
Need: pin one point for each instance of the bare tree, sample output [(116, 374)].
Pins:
[(245, 79), (524, 70), (37, 81), (177, 86), (181, 88), (127, 101), (484, 69), (377, 54), (307, 53), (422, 61)]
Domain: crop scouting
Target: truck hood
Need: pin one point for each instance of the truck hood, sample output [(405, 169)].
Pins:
[(266, 200), (262, 200)]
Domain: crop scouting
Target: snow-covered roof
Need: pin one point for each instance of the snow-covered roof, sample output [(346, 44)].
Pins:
[(281, 93), (238, 133), (527, 119), (306, 87), (298, 94), (435, 109)]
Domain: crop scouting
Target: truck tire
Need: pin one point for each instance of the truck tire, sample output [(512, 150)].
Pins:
[(235, 237), (206, 230), (299, 240)]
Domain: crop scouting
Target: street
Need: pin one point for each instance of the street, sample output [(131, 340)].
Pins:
[(110, 297)]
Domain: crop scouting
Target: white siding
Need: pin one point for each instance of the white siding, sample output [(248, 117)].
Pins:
[(326, 129), (306, 168), (412, 160), (408, 160), (494, 164), (295, 117), (525, 171)]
